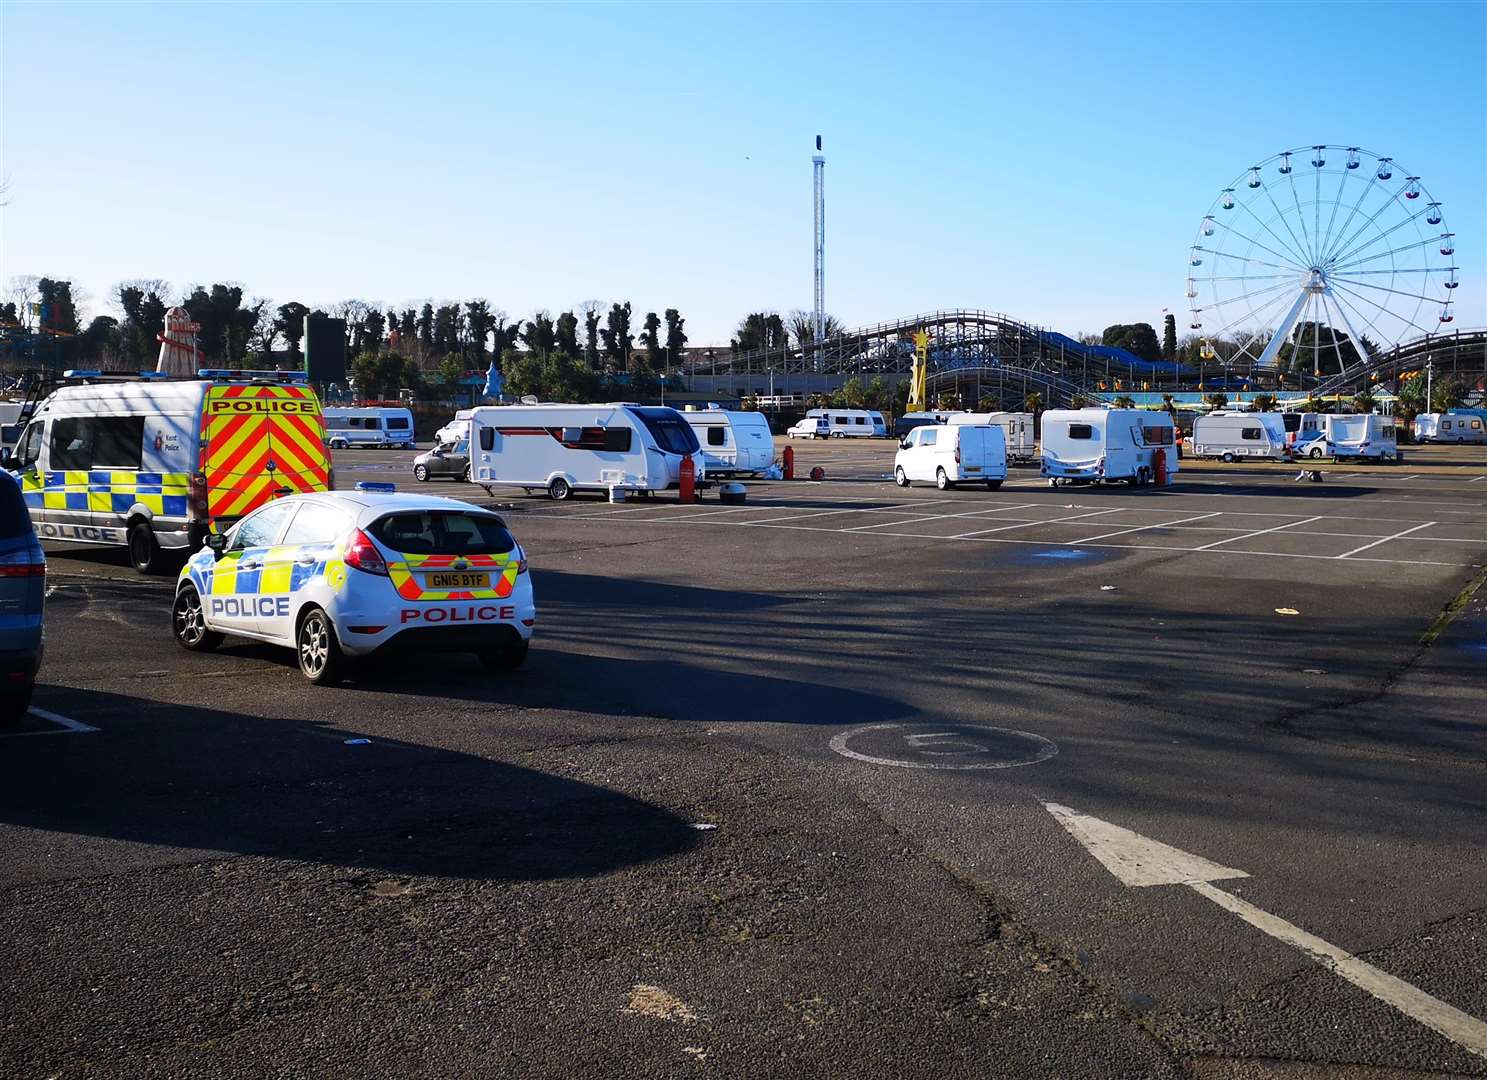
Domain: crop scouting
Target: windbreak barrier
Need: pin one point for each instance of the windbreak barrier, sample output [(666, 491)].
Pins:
[(259, 442)]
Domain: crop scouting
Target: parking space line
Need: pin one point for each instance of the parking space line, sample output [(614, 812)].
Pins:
[(1385, 540), (65, 724), (1030, 524), (942, 517), (1259, 532), (1143, 528), (830, 513)]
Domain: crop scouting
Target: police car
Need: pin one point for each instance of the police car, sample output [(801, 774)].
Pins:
[(349, 573)]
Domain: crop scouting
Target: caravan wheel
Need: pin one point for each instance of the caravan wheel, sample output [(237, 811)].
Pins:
[(558, 488), (1228, 458)]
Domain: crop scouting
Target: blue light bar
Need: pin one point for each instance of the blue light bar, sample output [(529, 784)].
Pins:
[(370, 485), (241, 373), (76, 373)]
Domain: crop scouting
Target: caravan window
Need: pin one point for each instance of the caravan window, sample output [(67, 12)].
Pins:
[(670, 431), (862, 420), (1292, 421), (1157, 436), (1251, 433), (1445, 425), (839, 419), (614, 439), (1081, 431), (487, 438), (82, 442), (1388, 431), (717, 436), (400, 422)]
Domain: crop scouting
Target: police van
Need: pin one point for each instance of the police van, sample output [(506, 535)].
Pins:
[(344, 574), (155, 463)]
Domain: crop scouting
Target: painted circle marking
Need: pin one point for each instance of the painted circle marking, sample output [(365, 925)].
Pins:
[(979, 746)]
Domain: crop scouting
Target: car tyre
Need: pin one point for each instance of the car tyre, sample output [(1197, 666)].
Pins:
[(320, 657), (559, 489), (188, 622), (420, 473), (1316, 452), (14, 705), (505, 659), (941, 480), (144, 549), (900, 477), (466, 475)]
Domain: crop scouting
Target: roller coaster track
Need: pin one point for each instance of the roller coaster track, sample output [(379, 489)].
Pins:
[(986, 347)]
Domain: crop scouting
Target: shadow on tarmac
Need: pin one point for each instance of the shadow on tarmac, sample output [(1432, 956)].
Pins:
[(220, 781)]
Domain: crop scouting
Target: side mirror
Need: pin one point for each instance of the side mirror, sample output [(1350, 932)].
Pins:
[(903, 444), (218, 543)]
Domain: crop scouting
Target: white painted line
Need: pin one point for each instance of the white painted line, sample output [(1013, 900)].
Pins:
[(830, 513), (1136, 860), (1412, 476), (1385, 539), (1261, 532), (1476, 479), (1143, 528), (68, 725), (1031, 524), (943, 517)]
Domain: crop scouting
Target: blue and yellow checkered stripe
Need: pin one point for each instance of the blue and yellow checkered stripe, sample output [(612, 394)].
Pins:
[(278, 571), (108, 491)]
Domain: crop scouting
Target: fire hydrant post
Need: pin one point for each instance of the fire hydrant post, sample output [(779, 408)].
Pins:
[(1159, 466), (789, 459), (686, 480)]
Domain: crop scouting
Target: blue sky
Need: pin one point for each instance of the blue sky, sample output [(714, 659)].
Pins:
[(1049, 160)]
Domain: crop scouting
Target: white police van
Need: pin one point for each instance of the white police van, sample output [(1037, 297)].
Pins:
[(351, 573)]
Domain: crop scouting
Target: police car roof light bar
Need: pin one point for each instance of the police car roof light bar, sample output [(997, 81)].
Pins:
[(371, 485), (242, 373), (118, 376)]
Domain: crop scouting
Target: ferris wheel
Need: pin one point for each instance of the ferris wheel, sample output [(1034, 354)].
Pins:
[(1325, 247)]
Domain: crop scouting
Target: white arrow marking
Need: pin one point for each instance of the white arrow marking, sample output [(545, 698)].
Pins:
[(1136, 860)]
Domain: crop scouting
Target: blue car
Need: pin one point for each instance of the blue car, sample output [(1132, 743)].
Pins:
[(22, 596)]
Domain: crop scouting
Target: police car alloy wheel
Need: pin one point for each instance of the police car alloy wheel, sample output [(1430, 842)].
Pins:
[(320, 656), (420, 472), (189, 622)]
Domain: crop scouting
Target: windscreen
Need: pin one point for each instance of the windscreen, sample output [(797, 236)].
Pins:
[(442, 532), (670, 431)]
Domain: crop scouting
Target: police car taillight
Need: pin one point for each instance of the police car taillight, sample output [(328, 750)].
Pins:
[(363, 554), (521, 561)]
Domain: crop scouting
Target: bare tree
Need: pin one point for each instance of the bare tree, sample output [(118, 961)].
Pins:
[(23, 292), (802, 327)]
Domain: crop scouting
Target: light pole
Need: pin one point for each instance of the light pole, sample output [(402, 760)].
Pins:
[(1429, 375)]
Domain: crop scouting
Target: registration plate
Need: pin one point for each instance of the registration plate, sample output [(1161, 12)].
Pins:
[(457, 581)]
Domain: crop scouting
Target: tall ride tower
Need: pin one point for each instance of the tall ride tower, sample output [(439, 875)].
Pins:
[(819, 164)]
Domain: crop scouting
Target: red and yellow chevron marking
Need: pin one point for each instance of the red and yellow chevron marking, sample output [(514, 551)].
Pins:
[(504, 570), (243, 428)]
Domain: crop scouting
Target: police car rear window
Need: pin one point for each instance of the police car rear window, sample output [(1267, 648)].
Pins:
[(442, 532)]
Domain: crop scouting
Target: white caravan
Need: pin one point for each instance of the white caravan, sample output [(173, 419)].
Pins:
[(853, 423), (1017, 430), (1230, 435), (567, 448), (950, 454), (1093, 446), (732, 442), (369, 425), (1360, 435), (1451, 427)]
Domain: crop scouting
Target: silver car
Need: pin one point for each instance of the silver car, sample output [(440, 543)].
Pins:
[(22, 595), (448, 461)]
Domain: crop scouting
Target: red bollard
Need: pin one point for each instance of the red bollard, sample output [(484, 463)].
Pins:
[(789, 459), (686, 480)]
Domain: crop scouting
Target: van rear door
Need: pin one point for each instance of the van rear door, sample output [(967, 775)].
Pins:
[(259, 442)]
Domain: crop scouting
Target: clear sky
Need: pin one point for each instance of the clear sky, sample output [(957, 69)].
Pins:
[(1046, 160)]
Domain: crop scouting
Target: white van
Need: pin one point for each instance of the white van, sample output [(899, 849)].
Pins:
[(456, 429), (1360, 435), (1017, 429), (567, 448), (369, 425), (733, 443), (154, 463), (1093, 446), (1450, 427), (1230, 435), (853, 423), (812, 427), (950, 454)]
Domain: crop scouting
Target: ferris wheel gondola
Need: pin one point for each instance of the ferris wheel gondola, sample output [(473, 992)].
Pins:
[(1346, 253)]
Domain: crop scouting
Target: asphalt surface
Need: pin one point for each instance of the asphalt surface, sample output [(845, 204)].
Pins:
[(1283, 678)]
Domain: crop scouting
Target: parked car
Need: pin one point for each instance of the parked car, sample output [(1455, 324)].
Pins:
[(22, 598), (446, 461), (812, 427)]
